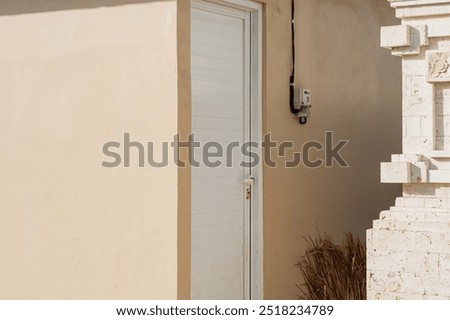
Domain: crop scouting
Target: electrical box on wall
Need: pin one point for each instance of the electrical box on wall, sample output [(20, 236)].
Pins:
[(299, 99), (302, 103)]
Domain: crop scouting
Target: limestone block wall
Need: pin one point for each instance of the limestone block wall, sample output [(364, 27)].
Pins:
[(409, 246)]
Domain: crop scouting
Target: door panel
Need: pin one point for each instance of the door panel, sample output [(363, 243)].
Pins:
[(220, 113)]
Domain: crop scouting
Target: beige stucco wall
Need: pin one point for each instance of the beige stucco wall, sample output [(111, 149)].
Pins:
[(70, 81), (356, 92)]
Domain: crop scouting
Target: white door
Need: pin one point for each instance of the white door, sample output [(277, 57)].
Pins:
[(221, 118)]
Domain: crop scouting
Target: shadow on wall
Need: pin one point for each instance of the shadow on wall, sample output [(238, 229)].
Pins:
[(12, 7)]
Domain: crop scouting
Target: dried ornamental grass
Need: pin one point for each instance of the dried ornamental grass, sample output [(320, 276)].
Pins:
[(333, 272)]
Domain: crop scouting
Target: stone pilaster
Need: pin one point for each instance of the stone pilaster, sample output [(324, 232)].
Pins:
[(408, 248)]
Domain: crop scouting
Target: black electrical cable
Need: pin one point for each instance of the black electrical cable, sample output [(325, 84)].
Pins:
[(293, 38), (292, 78)]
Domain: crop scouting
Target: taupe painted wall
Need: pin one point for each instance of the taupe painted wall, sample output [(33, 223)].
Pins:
[(356, 92), (70, 81)]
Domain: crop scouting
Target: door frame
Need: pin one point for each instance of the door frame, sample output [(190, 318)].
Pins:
[(255, 12)]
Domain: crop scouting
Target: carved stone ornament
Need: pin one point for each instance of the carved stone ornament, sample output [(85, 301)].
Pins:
[(438, 66)]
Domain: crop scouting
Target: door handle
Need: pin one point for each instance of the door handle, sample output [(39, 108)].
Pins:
[(249, 186)]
